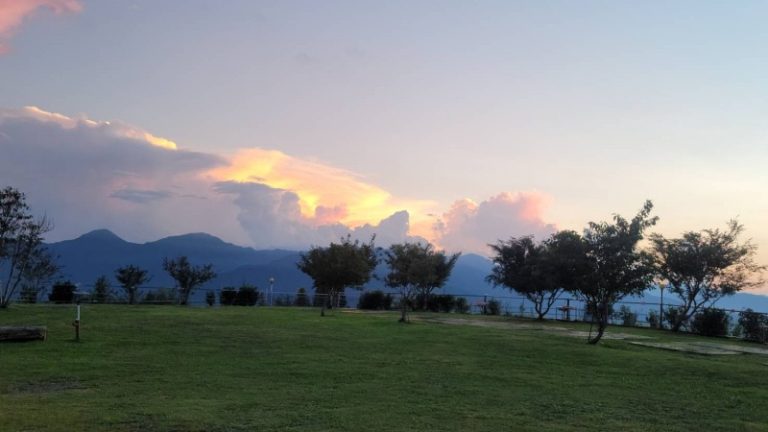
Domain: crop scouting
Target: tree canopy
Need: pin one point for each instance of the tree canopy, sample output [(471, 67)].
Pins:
[(333, 268), (21, 242), (416, 267), (130, 278), (703, 267), (617, 267), (187, 276)]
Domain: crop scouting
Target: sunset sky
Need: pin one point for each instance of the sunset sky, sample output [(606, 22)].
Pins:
[(291, 123)]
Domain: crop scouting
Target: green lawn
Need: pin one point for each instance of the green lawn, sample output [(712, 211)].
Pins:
[(158, 368)]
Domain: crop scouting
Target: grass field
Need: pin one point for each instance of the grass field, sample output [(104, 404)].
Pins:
[(158, 368)]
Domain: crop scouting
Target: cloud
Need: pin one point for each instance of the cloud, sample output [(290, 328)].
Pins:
[(470, 227), (14, 12), (89, 174)]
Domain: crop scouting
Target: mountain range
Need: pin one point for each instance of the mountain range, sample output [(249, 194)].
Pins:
[(101, 252)]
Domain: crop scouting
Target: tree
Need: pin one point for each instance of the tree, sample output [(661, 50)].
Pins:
[(540, 272), (21, 238), (130, 278), (187, 276), (616, 267), (40, 271), (416, 267), (703, 267), (337, 266), (101, 290)]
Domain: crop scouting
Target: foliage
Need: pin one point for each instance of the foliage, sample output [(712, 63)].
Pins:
[(416, 268), (187, 276), (653, 319), (754, 326), (703, 267), (672, 315), (62, 292), (493, 307), (130, 279), (302, 298), (228, 296), (210, 298), (101, 291), (21, 241), (626, 316), (539, 271), (247, 295), (375, 300), (441, 303), (616, 267), (161, 296), (710, 322), (333, 268), (41, 269), (461, 306)]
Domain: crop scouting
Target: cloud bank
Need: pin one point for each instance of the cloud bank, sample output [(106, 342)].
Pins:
[(14, 12), (89, 174)]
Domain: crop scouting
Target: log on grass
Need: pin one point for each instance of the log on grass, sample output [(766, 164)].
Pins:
[(8, 334)]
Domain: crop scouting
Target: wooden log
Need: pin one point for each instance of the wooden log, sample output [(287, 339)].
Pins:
[(29, 333)]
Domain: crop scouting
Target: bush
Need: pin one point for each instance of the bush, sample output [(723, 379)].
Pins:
[(493, 307), (441, 303), (210, 298), (302, 299), (671, 316), (374, 300), (228, 296), (652, 318), (461, 305), (29, 294), (247, 295), (710, 322), (754, 326), (62, 292), (626, 316), (161, 296)]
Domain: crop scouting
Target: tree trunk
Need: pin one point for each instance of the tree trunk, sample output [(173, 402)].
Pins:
[(601, 312), (23, 333), (403, 311), (600, 331)]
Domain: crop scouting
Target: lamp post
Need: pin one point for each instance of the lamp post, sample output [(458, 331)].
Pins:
[(271, 289)]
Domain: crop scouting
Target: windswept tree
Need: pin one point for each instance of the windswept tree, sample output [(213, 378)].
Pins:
[(130, 279), (416, 268), (21, 239), (617, 267), (347, 264), (187, 276), (703, 267), (540, 271)]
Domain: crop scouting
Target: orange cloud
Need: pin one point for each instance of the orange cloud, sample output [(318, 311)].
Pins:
[(13, 13), (326, 194)]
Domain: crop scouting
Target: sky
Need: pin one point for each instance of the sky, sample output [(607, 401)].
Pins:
[(291, 123)]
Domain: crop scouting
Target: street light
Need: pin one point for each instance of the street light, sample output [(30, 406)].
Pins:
[(661, 305), (271, 289)]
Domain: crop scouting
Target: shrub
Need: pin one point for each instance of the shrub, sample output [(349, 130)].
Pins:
[(754, 326), (247, 295), (374, 300), (626, 316), (62, 292), (652, 318), (710, 322), (210, 298), (441, 303), (302, 299), (493, 307), (461, 305), (28, 294), (161, 296), (672, 314), (228, 296)]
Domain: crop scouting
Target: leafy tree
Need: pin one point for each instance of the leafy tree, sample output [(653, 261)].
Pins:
[(416, 268), (40, 271), (616, 267), (540, 272), (21, 238), (187, 276), (337, 266), (754, 326), (130, 278), (101, 290), (703, 267), (62, 292)]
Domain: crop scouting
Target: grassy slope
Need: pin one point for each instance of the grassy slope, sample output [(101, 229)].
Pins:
[(231, 369)]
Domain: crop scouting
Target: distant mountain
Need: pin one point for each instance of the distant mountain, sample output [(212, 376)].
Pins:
[(100, 252)]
